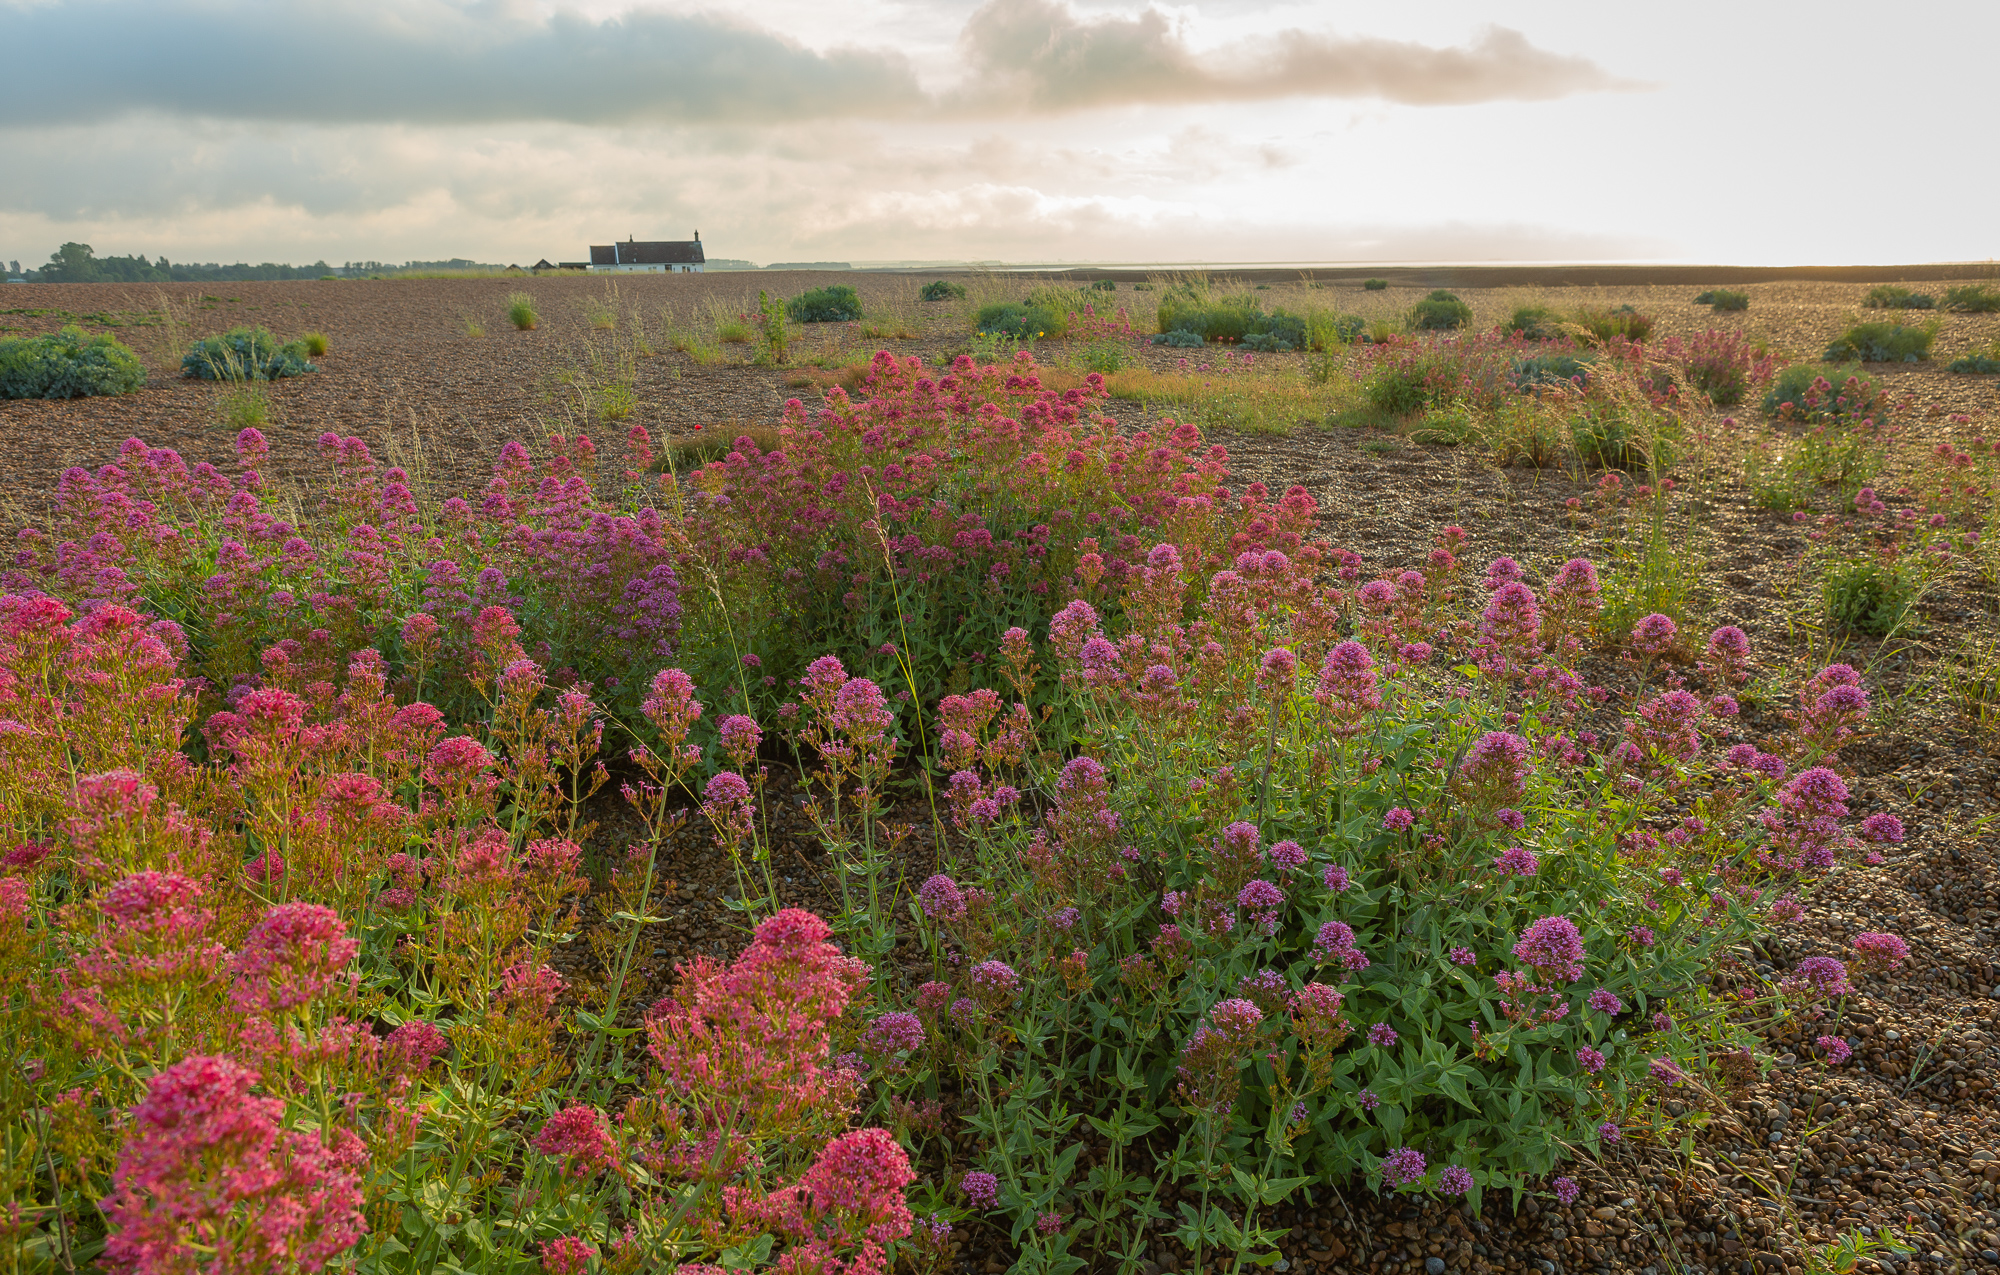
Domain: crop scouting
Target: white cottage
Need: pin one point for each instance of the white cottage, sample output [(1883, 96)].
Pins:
[(658, 256)]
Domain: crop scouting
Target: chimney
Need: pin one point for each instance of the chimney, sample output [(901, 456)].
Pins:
[(697, 236)]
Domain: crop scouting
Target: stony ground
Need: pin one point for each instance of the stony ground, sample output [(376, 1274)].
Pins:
[(1756, 1176)]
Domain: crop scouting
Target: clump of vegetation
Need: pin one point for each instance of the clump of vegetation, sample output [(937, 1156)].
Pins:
[(1624, 322), (1534, 323), (1553, 369), (1978, 363), (1179, 339), (1230, 317), (1883, 342), (1818, 392), (1721, 363), (1889, 296), (733, 331), (1870, 596), (521, 312), (1326, 331), (1724, 300), (1972, 298), (315, 344), (1142, 287), (245, 354), (1441, 311), (1375, 285), (835, 303), (1019, 321), (1104, 285), (244, 405), (68, 364), (942, 290)]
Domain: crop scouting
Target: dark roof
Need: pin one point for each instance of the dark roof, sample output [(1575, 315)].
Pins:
[(543, 264), (658, 252)]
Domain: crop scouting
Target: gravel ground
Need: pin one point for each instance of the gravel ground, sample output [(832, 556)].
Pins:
[(1906, 1136)]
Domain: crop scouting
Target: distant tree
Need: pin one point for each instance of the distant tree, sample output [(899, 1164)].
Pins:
[(71, 263)]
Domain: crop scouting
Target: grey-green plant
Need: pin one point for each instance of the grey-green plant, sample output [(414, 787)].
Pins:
[(245, 354), (68, 364), (1441, 311)]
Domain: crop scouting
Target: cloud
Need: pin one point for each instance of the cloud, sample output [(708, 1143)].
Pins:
[(1041, 56), (426, 61), (498, 61)]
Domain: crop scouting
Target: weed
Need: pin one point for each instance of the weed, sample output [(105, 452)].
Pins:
[(315, 343), (942, 290), (1972, 298), (474, 327), (1721, 363), (599, 314), (1018, 321), (1604, 325), (1375, 285), (1142, 287), (1980, 364), (521, 312), (1817, 392), (1553, 369), (835, 303), (771, 317), (616, 401), (1870, 596), (1381, 446), (244, 405), (1883, 342), (1724, 300), (1104, 285), (733, 331), (1888, 296), (1441, 311), (1534, 323)]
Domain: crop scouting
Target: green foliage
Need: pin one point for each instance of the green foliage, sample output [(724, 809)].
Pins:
[(1883, 342), (77, 263), (733, 332), (1142, 287), (1212, 317), (315, 344), (1326, 331), (244, 354), (1104, 285), (1534, 323), (521, 311), (1605, 325), (1976, 364), (1398, 390), (1724, 300), (1819, 392), (1375, 285), (1972, 298), (1441, 311), (1870, 596), (942, 290), (1018, 321), (835, 303), (777, 337), (1106, 356), (1553, 369), (67, 364), (244, 405), (1179, 339), (1622, 434), (1888, 296)]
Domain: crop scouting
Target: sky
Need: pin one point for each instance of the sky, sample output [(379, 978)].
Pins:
[(1710, 131)]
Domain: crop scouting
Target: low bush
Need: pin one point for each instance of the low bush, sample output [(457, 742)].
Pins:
[(1813, 392), (1179, 339), (1870, 596), (735, 332), (1267, 343), (1722, 363), (1972, 298), (1883, 342), (1977, 364), (1534, 323), (68, 364), (1605, 326), (1441, 311), (1889, 296), (1552, 369), (245, 354), (1375, 285), (521, 312), (1018, 321), (1104, 285), (1724, 300), (835, 303), (315, 344), (1327, 331), (1208, 315), (942, 290)]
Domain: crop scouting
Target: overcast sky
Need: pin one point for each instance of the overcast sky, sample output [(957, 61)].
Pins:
[(1732, 131)]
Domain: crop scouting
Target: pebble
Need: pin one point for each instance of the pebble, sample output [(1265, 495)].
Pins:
[(1433, 1266)]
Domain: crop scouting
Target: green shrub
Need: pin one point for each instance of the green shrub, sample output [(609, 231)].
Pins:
[(835, 303), (1211, 317), (245, 354), (521, 311), (1375, 285), (1179, 339), (1142, 287), (1398, 390), (1534, 323), (1724, 299), (942, 290), (1976, 364), (1888, 296), (1818, 392), (68, 364), (1869, 596), (1621, 435), (1605, 325), (1265, 343), (1972, 298), (1883, 342), (1019, 321), (1104, 285), (1552, 369), (1325, 331), (315, 344), (1441, 311)]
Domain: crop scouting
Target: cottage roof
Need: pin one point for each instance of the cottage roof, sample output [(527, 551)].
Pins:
[(655, 252)]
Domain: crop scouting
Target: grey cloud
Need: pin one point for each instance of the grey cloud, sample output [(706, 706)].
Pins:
[(1041, 56), (425, 61), (495, 61)]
